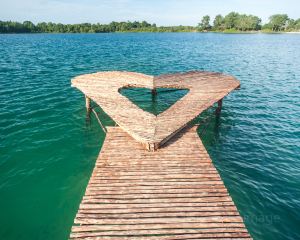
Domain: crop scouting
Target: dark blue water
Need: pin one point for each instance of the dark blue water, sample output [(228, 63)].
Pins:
[(47, 149)]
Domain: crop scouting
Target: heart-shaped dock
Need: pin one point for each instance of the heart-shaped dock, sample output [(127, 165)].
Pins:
[(205, 88)]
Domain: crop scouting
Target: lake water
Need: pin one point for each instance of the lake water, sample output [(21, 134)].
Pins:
[(48, 150)]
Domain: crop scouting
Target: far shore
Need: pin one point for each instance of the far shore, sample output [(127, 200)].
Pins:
[(120, 32)]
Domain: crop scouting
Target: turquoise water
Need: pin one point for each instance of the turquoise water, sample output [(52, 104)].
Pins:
[(156, 102), (48, 149)]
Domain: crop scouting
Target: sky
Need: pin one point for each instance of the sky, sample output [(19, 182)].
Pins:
[(161, 12)]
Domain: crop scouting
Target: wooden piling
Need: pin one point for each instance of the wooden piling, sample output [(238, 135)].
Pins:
[(88, 104)]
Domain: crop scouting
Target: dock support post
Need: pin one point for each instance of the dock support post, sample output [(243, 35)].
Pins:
[(151, 147), (219, 108), (154, 92), (88, 104), (88, 109)]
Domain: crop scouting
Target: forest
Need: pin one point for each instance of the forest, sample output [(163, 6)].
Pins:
[(242, 22), (232, 22)]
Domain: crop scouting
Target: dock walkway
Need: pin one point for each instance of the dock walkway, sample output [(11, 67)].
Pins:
[(173, 193), (153, 178)]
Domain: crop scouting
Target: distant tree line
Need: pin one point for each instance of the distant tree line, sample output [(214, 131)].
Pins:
[(242, 22), (29, 27), (232, 22)]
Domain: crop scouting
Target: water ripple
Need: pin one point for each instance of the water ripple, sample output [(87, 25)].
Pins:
[(48, 151)]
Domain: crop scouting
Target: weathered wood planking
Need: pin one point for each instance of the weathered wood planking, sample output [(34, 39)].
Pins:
[(173, 193), (205, 88)]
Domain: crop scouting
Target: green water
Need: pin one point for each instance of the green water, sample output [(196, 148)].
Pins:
[(156, 102), (48, 149)]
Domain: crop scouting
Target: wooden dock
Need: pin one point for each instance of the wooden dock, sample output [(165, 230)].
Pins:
[(153, 178), (205, 88), (173, 193)]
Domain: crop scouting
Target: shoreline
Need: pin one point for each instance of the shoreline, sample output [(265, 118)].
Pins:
[(219, 32)]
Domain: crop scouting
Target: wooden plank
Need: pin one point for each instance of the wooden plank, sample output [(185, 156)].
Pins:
[(166, 200), (160, 220), (146, 199), (220, 235), (137, 187), (153, 226), (158, 207), (95, 191), (151, 214)]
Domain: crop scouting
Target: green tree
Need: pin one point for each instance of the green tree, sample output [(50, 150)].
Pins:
[(297, 25), (247, 22), (29, 26), (41, 27), (219, 23), (241, 22), (205, 23), (144, 24), (278, 22), (230, 20), (254, 22)]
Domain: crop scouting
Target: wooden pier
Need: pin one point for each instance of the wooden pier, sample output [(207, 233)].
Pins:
[(155, 185), (205, 88)]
